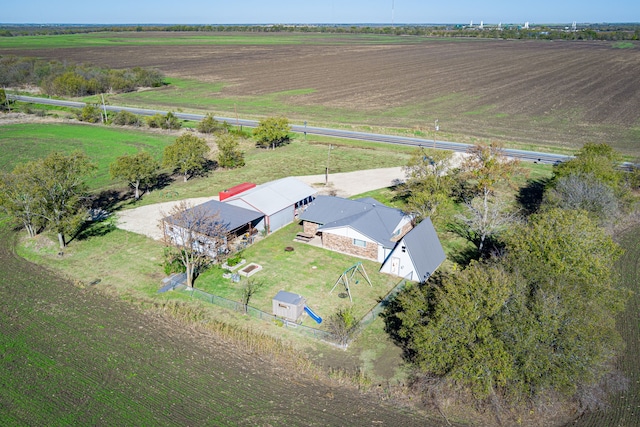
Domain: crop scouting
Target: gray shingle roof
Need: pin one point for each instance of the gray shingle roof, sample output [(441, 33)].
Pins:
[(367, 216), (232, 217), (288, 298), (424, 248)]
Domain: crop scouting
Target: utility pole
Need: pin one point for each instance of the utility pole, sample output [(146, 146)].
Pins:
[(326, 172), (104, 110), (436, 128), (393, 11)]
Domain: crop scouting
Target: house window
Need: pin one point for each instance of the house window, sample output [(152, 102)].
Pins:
[(404, 248), (360, 243)]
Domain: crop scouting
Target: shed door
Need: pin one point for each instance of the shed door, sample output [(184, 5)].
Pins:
[(395, 266)]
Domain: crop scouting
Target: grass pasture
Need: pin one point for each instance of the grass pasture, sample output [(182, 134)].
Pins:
[(127, 39), (24, 142)]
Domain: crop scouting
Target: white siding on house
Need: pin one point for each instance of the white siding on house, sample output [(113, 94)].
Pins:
[(383, 253), (405, 267), (404, 221), (347, 232)]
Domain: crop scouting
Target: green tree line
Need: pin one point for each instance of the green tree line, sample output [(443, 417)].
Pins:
[(607, 32), (532, 316), (51, 193), (58, 78)]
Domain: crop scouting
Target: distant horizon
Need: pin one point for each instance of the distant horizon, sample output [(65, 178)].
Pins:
[(328, 12), (343, 24)]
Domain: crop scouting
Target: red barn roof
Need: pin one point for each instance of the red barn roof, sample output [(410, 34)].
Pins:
[(233, 191)]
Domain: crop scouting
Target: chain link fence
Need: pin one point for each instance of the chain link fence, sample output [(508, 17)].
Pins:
[(379, 308), (178, 283)]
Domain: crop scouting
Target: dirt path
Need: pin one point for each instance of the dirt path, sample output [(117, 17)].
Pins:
[(144, 220)]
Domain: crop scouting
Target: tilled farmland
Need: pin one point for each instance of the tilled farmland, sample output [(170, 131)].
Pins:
[(532, 92)]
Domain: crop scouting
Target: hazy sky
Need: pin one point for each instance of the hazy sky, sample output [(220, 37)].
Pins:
[(317, 11)]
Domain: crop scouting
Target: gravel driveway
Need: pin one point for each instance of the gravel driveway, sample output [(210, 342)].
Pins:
[(144, 220)]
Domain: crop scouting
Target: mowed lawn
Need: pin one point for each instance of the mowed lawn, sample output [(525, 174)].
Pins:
[(133, 264), (20, 143), (308, 271)]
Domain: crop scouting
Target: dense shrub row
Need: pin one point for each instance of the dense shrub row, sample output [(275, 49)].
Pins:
[(58, 78)]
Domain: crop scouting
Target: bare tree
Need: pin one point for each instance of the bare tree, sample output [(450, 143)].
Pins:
[(485, 218), (197, 234), (248, 290), (486, 167), (586, 192)]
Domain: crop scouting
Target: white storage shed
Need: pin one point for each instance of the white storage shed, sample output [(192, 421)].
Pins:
[(288, 305)]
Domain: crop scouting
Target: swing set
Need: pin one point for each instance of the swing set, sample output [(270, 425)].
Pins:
[(348, 275)]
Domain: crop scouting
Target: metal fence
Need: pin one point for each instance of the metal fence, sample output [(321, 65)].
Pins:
[(379, 308), (259, 314), (177, 284)]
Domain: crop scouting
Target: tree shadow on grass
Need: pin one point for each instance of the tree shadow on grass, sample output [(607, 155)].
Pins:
[(466, 254), (531, 195), (107, 201), (98, 228), (400, 192)]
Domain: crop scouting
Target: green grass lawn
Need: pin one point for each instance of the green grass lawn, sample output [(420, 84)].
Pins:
[(131, 264), (307, 270), (24, 142)]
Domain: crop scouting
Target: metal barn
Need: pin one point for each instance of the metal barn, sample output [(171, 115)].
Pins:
[(280, 201)]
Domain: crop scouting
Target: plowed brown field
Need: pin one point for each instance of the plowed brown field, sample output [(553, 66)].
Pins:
[(531, 92)]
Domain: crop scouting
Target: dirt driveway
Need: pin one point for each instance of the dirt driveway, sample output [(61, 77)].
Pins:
[(144, 220)]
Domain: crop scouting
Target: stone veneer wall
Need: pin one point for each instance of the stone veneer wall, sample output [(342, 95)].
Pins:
[(345, 245), (310, 227)]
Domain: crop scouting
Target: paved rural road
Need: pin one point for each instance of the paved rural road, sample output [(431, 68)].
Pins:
[(530, 156)]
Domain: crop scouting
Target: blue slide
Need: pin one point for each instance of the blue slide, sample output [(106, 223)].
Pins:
[(312, 314)]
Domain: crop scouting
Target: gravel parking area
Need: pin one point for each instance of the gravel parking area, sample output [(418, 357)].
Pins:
[(144, 220)]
